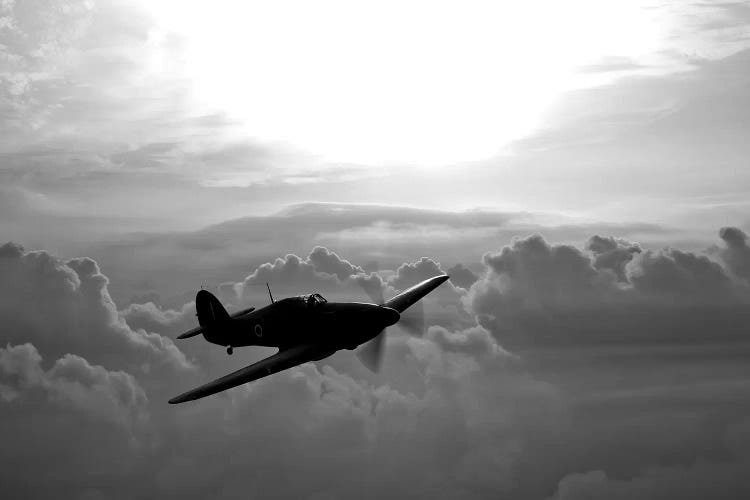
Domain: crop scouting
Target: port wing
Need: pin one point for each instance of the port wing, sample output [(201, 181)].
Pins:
[(280, 361)]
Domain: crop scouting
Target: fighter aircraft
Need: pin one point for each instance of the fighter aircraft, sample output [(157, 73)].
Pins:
[(304, 328)]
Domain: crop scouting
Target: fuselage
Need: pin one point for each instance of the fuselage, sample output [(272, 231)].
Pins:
[(299, 320)]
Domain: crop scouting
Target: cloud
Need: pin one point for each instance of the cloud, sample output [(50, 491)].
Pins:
[(73, 429), (681, 276), (736, 254), (140, 264), (462, 276), (535, 293), (63, 306), (322, 270), (421, 440), (149, 317), (412, 273), (531, 274), (568, 362), (71, 381), (328, 262), (611, 253), (699, 480)]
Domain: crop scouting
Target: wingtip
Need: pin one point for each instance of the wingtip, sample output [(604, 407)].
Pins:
[(180, 399), (440, 279)]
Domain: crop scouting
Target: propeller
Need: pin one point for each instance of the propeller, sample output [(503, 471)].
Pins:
[(411, 320), (371, 354)]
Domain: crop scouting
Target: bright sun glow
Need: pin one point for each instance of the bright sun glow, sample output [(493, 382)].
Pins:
[(423, 83)]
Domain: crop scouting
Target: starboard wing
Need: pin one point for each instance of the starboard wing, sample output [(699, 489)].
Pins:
[(280, 361), (408, 297)]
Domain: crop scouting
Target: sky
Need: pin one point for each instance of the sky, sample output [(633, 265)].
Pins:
[(578, 168)]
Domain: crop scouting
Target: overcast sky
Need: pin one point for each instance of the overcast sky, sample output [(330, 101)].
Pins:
[(580, 169)]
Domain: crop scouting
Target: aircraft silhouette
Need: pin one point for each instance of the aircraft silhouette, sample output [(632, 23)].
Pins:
[(304, 328)]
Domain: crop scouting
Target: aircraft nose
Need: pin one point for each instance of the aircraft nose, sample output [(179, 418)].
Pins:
[(388, 316)]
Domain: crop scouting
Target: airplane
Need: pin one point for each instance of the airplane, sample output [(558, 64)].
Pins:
[(304, 328)]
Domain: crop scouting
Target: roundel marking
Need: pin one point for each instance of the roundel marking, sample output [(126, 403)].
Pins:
[(258, 330)]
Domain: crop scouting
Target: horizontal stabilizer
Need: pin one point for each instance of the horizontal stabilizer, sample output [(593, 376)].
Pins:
[(191, 333)]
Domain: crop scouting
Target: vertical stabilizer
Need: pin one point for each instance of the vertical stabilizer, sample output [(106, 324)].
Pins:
[(209, 309)]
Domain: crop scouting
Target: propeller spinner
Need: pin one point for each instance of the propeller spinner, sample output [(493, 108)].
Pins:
[(411, 319)]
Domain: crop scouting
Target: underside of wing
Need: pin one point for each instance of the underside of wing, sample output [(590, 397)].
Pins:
[(408, 297), (280, 361)]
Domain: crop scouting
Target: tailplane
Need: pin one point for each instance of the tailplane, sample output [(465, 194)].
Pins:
[(212, 318)]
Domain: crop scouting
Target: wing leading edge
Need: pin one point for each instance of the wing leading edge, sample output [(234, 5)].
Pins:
[(280, 361), (408, 297)]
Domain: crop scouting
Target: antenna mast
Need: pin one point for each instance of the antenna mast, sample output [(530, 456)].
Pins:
[(269, 293)]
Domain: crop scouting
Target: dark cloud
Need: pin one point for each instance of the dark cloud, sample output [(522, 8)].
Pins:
[(71, 381), (576, 381), (696, 481), (148, 316), (73, 429), (611, 253), (539, 292), (462, 276), (736, 254), (681, 276)]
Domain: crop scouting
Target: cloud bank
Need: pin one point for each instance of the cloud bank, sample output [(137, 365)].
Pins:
[(605, 370)]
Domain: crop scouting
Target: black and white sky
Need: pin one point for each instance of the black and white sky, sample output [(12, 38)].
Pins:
[(579, 168)]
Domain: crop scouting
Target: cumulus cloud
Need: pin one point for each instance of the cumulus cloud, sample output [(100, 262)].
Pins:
[(681, 276), (64, 306), (411, 273), (422, 440), (462, 276), (71, 381), (535, 292), (150, 317), (325, 261), (736, 254), (142, 264), (444, 306), (530, 274), (73, 420), (568, 362), (321, 271), (612, 253)]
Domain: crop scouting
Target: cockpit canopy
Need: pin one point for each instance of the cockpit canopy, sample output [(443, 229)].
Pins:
[(314, 299)]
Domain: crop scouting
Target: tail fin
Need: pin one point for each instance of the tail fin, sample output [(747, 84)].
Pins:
[(209, 309)]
